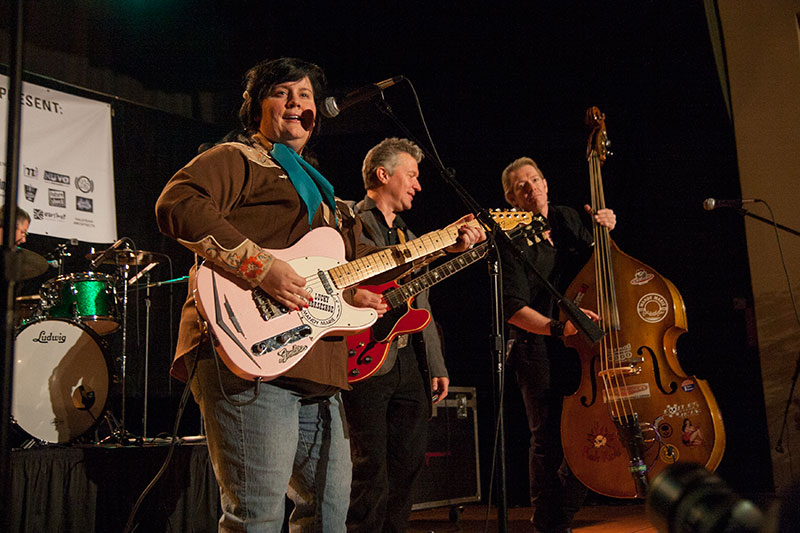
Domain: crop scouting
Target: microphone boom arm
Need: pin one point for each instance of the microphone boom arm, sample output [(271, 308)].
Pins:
[(582, 323)]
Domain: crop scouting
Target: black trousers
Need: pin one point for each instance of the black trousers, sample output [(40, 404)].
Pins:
[(387, 419), (545, 373)]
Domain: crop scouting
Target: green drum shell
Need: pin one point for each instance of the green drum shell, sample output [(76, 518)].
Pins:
[(88, 296)]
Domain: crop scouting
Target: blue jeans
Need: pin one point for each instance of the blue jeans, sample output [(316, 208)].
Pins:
[(280, 444)]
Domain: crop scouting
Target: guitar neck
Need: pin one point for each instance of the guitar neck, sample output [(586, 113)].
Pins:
[(397, 297), (354, 272)]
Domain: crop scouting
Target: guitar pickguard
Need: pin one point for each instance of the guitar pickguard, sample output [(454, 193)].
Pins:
[(258, 338)]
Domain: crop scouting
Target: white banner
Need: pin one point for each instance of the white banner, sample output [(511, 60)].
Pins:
[(66, 176)]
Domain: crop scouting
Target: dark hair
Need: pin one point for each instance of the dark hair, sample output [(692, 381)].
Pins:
[(261, 78), (384, 154), (22, 215)]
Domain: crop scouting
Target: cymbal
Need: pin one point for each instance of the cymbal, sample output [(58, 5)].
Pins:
[(29, 264), (128, 257)]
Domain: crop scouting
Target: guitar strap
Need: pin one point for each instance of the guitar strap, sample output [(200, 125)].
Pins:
[(369, 231)]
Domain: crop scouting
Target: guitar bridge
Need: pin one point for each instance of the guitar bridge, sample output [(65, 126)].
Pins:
[(266, 306), (282, 339)]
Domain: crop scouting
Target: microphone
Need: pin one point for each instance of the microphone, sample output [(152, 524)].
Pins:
[(54, 263), (331, 108), (712, 203), (96, 261)]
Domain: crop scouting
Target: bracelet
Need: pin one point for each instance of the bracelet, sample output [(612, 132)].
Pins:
[(557, 328)]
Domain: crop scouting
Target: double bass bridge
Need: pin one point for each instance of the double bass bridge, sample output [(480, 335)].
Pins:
[(630, 368)]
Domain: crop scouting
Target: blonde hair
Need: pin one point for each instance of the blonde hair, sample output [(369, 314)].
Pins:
[(513, 166)]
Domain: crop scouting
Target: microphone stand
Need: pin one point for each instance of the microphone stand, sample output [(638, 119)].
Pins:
[(498, 356), (147, 305), (744, 212), (581, 322)]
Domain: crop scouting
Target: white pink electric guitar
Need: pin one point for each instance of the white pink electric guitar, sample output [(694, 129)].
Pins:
[(259, 338)]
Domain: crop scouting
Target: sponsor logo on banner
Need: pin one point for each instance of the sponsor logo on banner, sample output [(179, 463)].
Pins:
[(54, 177), (84, 222), (30, 193), (41, 214), (84, 204), (84, 184), (30, 172), (57, 198)]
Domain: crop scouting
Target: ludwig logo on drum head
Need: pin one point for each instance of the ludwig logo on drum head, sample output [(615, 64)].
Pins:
[(50, 337)]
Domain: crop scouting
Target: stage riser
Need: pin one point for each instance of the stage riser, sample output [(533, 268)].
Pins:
[(95, 488)]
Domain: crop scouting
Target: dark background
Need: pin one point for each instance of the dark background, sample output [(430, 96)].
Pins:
[(495, 83)]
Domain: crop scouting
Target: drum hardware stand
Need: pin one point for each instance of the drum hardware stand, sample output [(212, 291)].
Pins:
[(117, 431), (58, 257), (123, 257), (125, 270)]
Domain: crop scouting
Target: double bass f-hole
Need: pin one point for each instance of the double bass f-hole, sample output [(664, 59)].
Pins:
[(636, 411)]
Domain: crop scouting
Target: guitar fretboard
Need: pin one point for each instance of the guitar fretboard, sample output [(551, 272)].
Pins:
[(354, 272), (397, 297)]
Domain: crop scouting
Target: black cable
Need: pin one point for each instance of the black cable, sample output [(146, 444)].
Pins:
[(174, 441), (779, 446), (222, 388)]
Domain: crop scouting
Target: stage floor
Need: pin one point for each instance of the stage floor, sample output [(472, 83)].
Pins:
[(623, 518), (48, 483)]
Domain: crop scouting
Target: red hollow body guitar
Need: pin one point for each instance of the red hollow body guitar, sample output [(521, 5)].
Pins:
[(367, 350)]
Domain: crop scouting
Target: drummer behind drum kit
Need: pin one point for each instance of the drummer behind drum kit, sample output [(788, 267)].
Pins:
[(62, 367)]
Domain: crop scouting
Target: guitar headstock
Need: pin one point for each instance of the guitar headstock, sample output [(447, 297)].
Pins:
[(598, 139), (521, 222), (510, 218)]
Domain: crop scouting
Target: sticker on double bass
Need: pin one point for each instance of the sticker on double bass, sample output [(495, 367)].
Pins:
[(668, 454), (641, 277), (634, 391), (652, 308)]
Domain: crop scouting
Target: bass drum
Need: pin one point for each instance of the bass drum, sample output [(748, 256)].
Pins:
[(61, 380)]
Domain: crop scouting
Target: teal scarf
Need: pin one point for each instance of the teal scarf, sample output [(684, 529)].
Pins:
[(309, 183)]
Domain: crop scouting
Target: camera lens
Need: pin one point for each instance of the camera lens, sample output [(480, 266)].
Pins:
[(686, 498)]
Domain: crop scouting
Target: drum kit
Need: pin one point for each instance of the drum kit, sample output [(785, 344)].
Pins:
[(64, 372)]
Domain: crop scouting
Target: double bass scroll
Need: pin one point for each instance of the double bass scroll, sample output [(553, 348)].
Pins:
[(636, 411)]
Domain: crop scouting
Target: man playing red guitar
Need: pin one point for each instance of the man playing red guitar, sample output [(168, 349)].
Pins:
[(387, 413)]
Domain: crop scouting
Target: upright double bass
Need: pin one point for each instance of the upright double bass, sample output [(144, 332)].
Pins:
[(636, 410)]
